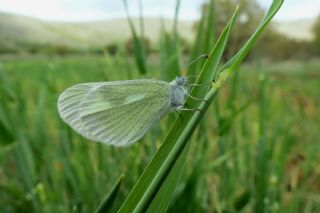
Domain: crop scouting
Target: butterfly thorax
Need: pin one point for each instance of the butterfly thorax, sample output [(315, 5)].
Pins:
[(179, 92)]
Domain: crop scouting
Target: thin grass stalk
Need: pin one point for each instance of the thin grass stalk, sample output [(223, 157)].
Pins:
[(138, 44)]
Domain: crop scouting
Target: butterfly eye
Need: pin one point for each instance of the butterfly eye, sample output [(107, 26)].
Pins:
[(182, 81)]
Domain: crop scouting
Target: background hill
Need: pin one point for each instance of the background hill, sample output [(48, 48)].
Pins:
[(297, 29), (18, 31), (15, 29)]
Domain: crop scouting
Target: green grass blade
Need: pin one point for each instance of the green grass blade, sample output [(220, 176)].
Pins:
[(175, 43), (164, 51), (235, 61), (157, 183), (107, 203), (6, 134), (262, 160), (215, 56), (138, 44), (141, 20), (157, 171), (6, 95), (163, 197), (6, 89), (170, 49), (204, 38), (197, 47), (210, 28)]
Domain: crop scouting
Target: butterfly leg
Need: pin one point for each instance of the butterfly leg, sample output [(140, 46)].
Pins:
[(186, 109), (196, 99), (198, 85), (189, 109), (191, 86)]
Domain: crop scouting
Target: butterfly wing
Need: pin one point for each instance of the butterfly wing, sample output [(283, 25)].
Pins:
[(118, 112)]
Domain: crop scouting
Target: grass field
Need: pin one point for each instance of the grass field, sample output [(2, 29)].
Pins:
[(252, 146), (259, 140)]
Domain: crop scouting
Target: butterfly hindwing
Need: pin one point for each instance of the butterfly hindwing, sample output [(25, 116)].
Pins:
[(117, 112)]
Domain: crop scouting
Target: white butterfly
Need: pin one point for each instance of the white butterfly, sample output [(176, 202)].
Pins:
[(120, 112)]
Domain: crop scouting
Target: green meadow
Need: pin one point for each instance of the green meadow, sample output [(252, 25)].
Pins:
[(51, 168), (255, 149)]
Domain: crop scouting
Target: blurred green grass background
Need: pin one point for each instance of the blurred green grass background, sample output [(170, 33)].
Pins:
[(51, 168), (257, 150)]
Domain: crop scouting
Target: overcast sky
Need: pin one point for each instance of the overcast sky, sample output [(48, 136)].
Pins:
[(88, 10)]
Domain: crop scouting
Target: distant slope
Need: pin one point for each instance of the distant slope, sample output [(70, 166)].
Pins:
[(17, 31), (297, 29)]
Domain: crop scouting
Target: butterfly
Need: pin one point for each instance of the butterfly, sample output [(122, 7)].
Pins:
[(120, 112)]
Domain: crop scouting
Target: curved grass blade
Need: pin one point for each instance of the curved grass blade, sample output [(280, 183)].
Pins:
[(170, 48), (6, 134), (204, 38), (158, 181), (235, 61), (107, 203), (138, 43), (6, 94), (153, 181)]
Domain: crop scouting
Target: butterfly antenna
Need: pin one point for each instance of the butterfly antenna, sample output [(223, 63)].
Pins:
[(206, 56)]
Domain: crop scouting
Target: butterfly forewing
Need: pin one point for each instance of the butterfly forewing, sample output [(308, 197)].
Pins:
[(118, 112)]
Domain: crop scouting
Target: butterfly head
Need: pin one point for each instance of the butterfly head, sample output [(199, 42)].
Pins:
[(181, 81)]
